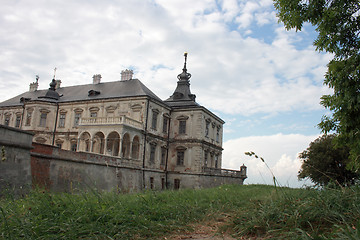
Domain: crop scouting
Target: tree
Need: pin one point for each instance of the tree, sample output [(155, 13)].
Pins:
[(338, 25), (323, 162)]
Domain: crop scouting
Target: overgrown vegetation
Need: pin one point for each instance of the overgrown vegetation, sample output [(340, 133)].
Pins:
[(323, 162), (256, 210)]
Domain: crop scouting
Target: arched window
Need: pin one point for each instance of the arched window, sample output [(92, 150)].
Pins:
[(125, 151), (112, 146), (85, 142), (135, 148), (98, 143)]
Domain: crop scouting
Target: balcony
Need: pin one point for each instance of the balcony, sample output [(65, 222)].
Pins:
[(102, 121), (225, 172)]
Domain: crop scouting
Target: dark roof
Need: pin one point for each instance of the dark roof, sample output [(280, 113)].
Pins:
[(106, 90)]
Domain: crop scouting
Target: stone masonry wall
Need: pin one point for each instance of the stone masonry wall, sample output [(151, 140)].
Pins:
[(15, 169), (24, 164)]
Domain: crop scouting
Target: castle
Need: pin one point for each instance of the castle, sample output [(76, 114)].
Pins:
[(127, 121)]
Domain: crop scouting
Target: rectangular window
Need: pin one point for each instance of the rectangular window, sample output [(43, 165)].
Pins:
[(205, 158), (18, 120), (77, 119), (176, 184), (182, 126), (73, 147), (163, 155), (28, 118), (165, 124), (93, 114), (152, 153), (7, 120), (62, 120), (216, 161), (180, 158), (154, 120), (207, 129), (151, 183), (59, 145), (43, 117), (162, 183), (218, 134)]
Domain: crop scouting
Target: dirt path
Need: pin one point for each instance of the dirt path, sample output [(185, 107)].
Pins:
[(206, 230)]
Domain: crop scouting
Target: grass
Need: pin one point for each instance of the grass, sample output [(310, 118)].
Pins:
[(256, 210)]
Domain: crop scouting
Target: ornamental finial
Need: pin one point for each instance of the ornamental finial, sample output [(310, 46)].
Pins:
[(185, 55)]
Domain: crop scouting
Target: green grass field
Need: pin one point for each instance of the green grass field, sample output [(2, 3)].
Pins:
[(256, 211)]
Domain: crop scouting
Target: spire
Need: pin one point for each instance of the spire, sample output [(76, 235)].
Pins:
[(184, 76), (182, 95)]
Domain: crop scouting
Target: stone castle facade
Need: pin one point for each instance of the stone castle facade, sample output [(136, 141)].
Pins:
[(126, 120)]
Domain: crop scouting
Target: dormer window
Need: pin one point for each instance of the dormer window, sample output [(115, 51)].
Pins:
[(93, 93)]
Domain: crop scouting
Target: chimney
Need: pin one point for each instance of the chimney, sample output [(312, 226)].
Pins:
[(96, 78), (58, 83), (126, 74), (34, 86)]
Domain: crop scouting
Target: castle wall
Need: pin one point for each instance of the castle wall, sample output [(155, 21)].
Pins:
[(15, 169), (24, 165)]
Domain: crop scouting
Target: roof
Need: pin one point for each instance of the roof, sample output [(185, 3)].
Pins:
[(106, 90)]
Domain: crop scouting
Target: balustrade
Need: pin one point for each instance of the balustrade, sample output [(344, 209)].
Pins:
[(110, 121)]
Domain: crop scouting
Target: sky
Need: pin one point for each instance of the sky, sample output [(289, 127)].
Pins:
[(263, 81)]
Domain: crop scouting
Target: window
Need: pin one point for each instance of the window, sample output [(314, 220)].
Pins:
[(152, 153), (73, 146), (154, 119), (216, 161), (7, 120), (218, 134), (93, 114), (93, 111), (87, 146), (180, 157), (18, 121), (207, 128), (62, 120), (182, 126), (43, 117), (163, 155), (151, 183), (165, 124), (59, 145), (162, 183), (77, 119), (206, 158), (28, 118), (176, 184)]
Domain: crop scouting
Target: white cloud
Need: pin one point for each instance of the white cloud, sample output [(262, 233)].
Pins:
[(244, 75), (233, 71), (279, 151)]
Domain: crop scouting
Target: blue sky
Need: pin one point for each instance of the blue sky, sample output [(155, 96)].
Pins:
[(264, 81)]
